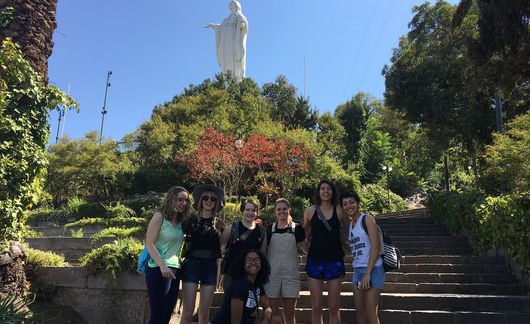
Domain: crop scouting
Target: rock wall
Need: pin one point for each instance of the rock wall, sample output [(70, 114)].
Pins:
[(12, 276)]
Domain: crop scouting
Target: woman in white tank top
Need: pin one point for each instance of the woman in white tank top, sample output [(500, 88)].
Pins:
[(369, 274)]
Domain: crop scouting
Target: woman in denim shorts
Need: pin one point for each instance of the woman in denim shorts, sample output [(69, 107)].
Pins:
[(369, 274), (201, 252), (322, 222)]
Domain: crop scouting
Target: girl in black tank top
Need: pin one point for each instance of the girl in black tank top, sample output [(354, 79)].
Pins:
[(322, 222), (325, 245)]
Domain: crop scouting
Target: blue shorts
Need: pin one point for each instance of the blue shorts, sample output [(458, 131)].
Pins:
[(324, 270), (203, 271), (377, 276)]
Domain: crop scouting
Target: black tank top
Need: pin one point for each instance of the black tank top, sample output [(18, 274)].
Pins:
[(325, 245)]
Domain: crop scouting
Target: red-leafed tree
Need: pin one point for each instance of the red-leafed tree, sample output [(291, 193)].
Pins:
[(259, 163), (214, 158), (271, 161)]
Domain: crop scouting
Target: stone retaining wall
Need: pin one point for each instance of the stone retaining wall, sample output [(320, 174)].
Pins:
[(98, 298), (515, 267)]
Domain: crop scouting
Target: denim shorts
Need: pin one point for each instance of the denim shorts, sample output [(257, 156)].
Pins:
[(377, 276), (324, 270), (203, 271)]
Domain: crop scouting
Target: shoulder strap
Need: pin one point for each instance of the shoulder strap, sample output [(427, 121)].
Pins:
[(363, 223), (322, 217), (234, 232), (293, 227), (262, 233), (350, 234)]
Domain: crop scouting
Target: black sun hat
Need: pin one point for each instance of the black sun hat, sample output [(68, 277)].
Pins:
[(197, 193)]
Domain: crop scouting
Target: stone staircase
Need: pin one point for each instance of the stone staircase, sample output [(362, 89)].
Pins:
[(441, 280)]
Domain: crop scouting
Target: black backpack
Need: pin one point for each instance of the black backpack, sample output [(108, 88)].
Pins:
[(391, 255), (234, 238)]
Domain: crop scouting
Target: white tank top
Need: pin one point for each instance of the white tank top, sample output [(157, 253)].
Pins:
[(360, 245)]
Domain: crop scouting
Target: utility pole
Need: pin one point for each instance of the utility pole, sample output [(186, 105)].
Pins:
[(104, 109)]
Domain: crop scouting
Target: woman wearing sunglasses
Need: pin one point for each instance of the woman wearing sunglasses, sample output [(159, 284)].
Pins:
[(202, 251)]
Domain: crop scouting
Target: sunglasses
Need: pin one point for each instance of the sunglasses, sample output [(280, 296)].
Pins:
[(209, 198)]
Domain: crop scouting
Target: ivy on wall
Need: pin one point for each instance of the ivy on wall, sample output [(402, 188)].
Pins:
[(493, 222), (24, 105)]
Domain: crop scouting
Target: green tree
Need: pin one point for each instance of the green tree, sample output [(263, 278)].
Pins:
[(292, 111), (503, 46), (330, 136), (226, 106), (84, 168), (506, 159), (433, 80), (353, 116)]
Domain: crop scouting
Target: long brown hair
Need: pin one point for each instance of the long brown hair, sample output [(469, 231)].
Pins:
[(166, 208)]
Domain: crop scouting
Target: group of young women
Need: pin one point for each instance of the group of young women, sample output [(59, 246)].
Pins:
[(260, 266)]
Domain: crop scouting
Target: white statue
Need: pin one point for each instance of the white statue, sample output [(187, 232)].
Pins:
[(231, 41)]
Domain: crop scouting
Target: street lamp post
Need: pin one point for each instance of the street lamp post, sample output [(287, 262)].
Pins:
[(387, 169)]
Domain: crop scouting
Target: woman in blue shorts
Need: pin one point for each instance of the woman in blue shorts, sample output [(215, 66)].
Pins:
[(369, 274), (322, 222), (203, 249)]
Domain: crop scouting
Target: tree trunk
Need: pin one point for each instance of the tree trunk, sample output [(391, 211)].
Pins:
[(446, 172), (32, 26)]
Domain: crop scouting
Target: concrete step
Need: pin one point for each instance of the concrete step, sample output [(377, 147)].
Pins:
[(303, 315), (418, 301), (492, 278), (416, 233), (70, 248), (453, 259), (430, 244), (412, 226), (439, 288), (441, 268), (436, 251), (410, 221), (60, 231), (432, 238)]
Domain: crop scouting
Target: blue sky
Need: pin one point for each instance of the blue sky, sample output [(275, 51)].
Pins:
[(156, 48)]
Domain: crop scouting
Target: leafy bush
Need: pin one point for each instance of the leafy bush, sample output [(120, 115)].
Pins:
[(121, 255), (501, 222), (73, 205), (14, 309), (76, 233), (93, 209), (119, 232), (38, 258), (298, 205), (87, 221), (506, 160), (119, 211), (374, 199), (24, 132), (56, 216), (117, 222), (231, 212), (140, 205)]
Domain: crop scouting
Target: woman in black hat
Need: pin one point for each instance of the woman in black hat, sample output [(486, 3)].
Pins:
[(202, 251)]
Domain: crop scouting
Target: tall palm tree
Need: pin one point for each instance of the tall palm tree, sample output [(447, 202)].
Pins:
[(32, 25)]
